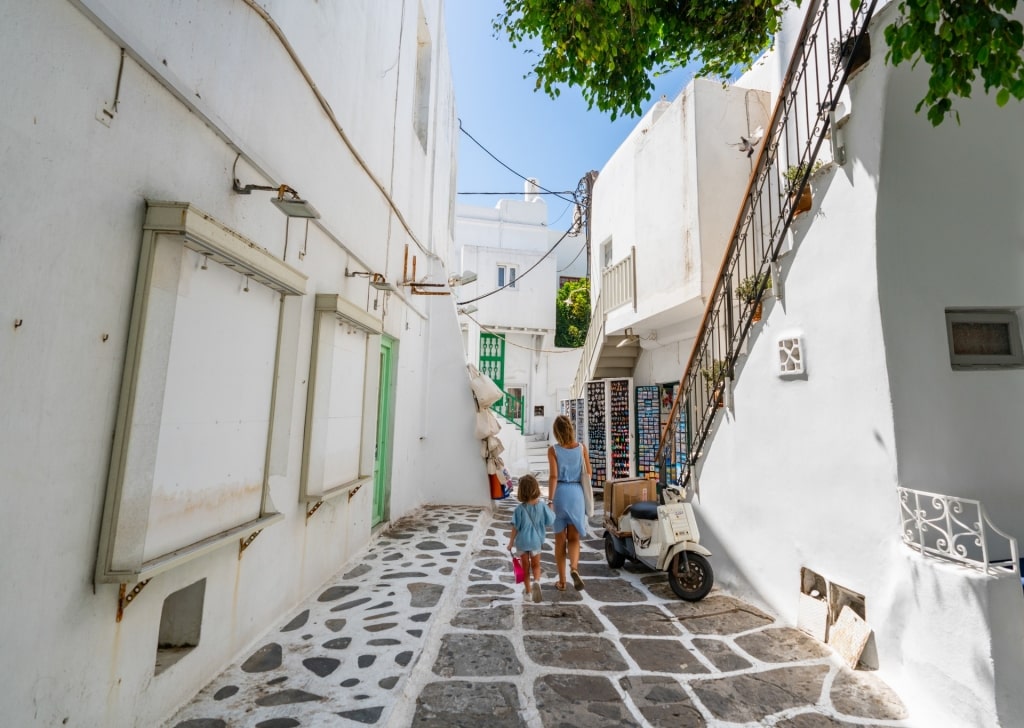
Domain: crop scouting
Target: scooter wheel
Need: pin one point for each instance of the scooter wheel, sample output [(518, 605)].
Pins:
[(690, 576), (614, 558)]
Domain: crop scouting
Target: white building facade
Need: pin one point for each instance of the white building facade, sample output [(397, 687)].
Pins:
[(512, 330), (913, 231), (212, 405)]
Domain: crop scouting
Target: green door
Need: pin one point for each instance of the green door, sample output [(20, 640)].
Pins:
[(382, 457)]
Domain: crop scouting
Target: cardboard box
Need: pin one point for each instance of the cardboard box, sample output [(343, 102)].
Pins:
[(621, 493)]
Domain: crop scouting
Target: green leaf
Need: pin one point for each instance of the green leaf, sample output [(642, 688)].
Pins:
[(1003, 96)]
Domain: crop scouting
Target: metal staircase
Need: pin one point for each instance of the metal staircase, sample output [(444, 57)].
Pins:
[(832, 34)]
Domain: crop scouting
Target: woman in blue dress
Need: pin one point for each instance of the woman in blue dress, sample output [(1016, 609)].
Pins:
[(566, 463)]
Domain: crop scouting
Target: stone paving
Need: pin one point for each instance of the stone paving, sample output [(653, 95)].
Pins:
[(426, 628)]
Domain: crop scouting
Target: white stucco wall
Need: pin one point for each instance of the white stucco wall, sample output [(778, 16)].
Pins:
[(201, 85), (809, 465), (671, 192)]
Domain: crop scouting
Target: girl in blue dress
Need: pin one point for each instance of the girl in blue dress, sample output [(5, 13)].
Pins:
[(566, 462), (530, 522)]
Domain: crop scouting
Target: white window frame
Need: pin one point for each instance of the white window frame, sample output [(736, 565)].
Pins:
[(1005, 316), (335, 316), (169, 229), (508, 273)]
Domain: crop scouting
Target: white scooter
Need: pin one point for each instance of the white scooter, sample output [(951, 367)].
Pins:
[(662, 537)]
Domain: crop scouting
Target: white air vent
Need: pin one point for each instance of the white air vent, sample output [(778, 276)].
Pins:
[(791, 356)]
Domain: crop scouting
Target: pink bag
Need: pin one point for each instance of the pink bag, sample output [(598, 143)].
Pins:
[(517, 567)]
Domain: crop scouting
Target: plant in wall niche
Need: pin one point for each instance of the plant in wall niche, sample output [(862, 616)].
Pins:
[(799, 193), (752, 289), (714, 376), (848, 52)]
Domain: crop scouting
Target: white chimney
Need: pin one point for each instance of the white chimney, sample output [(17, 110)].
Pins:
[(531, 188)]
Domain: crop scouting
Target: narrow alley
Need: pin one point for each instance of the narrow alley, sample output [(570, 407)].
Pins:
[(426, 628)]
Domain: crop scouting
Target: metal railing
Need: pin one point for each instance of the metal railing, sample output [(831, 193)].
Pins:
[(511, 408), (832, 33), (956, 529), (618, 287)]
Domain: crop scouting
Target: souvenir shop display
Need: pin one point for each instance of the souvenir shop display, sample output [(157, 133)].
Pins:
[(648, 428), (610, 425), (653, 407), (576, 411)]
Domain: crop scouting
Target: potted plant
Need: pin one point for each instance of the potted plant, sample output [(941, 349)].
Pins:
[(850, 53), (751, 289), (714, 377), (799, 194)]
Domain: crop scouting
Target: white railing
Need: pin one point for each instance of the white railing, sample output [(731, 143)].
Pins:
[(618, 284), (618, 287), (595, 334), (956, 529)]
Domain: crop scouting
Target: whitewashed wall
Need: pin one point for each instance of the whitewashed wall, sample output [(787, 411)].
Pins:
[(803, 471), (200, 85), (671, 191)]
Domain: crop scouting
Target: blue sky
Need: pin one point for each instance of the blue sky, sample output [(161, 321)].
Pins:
[(556, 140)]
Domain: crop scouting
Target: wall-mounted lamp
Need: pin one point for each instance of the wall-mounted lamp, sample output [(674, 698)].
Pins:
[(471, 308), (631, 338), (416, 287), (461, 280), (377, 280), (292, 206)]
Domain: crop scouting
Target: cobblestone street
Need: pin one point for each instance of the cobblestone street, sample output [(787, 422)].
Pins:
[(427, 628)]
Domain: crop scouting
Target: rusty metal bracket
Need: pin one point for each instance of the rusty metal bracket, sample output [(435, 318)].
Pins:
[(243, 543), (354, 491), (125, 597), (314, 509)]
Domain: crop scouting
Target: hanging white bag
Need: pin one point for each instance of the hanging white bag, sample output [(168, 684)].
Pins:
[(486, 425), (484, 388)]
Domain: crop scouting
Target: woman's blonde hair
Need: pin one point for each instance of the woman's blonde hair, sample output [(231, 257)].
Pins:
[(565, 433), (529, 489)]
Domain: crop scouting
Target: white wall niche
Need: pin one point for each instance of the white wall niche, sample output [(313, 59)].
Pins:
[(181, 625)]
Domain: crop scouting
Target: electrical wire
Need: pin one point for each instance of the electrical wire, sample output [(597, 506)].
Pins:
[(524, 273), (525, 179), (520, 346), (569, 264), (514, 194)]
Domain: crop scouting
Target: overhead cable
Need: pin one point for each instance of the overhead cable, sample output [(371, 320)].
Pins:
[(517, 174), (571, 231)]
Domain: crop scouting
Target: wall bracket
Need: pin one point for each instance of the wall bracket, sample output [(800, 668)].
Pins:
[(125, 597), (243, 543)]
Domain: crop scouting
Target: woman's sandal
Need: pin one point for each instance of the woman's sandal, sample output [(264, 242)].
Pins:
[(577, 582), (560, 585)]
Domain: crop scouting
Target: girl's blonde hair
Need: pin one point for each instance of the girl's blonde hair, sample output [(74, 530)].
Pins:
[(565, 433), (529, 489)]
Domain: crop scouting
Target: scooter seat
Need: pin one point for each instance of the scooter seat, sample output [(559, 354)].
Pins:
[(644, 510)]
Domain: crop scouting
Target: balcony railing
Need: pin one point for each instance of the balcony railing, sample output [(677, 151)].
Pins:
[(618, 283), (618, 287), (956, 529), (831, 35)]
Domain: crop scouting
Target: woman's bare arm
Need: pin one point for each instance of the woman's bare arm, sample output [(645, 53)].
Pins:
[(553, 473)]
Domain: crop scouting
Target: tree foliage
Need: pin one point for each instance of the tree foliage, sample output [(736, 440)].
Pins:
[(609, 49), (960, 39), (572, 313)]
